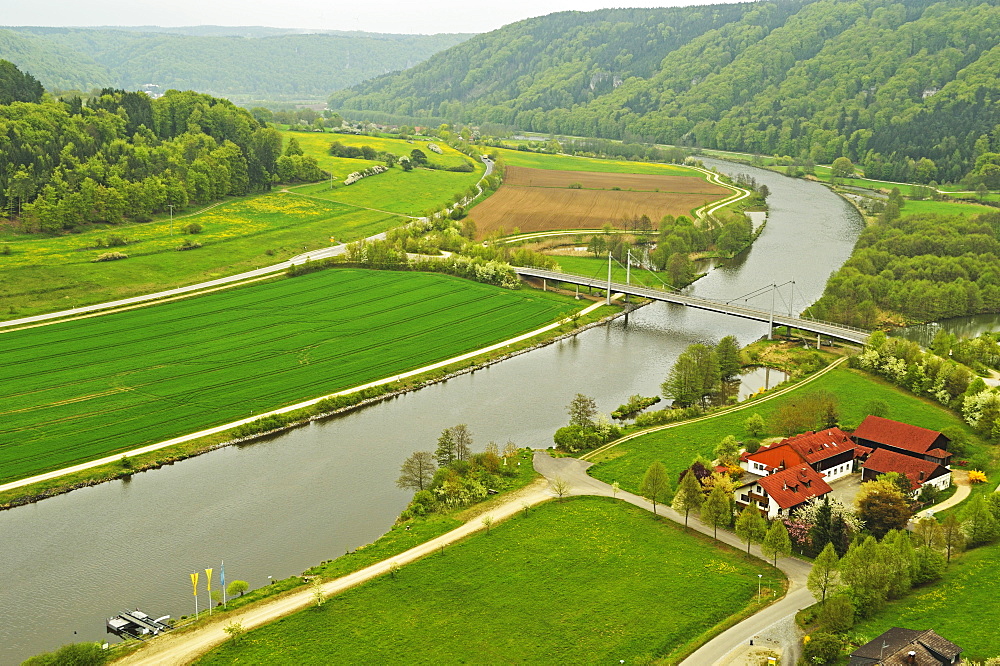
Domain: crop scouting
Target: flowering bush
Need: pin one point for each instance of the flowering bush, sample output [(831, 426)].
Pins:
[(976, 476)]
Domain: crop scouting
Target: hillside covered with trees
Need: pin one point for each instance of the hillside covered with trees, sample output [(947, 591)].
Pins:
[(240, 65), (882, 82), (122, 155)]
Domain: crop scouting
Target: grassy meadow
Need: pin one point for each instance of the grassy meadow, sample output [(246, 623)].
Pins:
[(580, 581), (677, 447), (83, 389), (597, 268)]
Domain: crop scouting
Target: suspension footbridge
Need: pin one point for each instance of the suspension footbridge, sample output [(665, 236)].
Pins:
[(772, 318)]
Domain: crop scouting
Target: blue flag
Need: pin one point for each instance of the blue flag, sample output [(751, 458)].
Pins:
[(222, 576)]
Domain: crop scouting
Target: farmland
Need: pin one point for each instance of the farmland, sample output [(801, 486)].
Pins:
[(519, 158), (537, 200), (551, 593), (83, 389)]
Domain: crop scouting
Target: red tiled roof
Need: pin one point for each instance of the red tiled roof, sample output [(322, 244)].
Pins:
[(860, 451), (788, 488), (901, 435), (776, 455), (885, 461), (817, 446), (939, 453)]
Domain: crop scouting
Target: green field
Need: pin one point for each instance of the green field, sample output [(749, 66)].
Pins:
[(317, 144), (403, 192), (572, 163), (80, 390), (677, 447), (597, 268), (944, 208), (961, 606), (589, 580), (53, 273)]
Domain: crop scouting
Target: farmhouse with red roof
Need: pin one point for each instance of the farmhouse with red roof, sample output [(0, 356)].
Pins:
[(920, 472), (783, 491), (878, 433)]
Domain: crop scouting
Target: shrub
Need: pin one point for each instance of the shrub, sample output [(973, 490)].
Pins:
[(976, 476), (193, 228), (575, 186), (822, 649), (837, 615), (5, 250), (117, 241), (188, 245), (110, 256)]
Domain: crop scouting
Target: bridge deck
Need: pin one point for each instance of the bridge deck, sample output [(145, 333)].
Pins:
[(837, 331)]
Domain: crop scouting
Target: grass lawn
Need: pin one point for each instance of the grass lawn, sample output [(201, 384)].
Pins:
[(944, 208), (597, 267), (582, 581), (404, 192), (677, 447), (46, 273), (317, 144), (961, 606), (80, 390), (573, 163)]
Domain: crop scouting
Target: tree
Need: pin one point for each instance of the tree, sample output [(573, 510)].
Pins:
[(754, 425), (655, 483), (417, 471), (462, 437), (560, 487), (929, 533), (837, 614), (842, 167), (978, 522), (882, 507), (868, 569), (751, 526), (824, 577), (952, 538), (73, 654), (445, 452), (235, 630), (293, 148), (582, 410), (694, 376), (776, 542), (727, 452), (688, 495), (728, 353), (717, 510), (418, 157)]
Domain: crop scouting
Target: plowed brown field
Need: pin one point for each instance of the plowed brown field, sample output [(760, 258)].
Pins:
[(539, 200), (605, 181)]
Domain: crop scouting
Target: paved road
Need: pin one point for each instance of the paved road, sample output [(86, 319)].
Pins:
[(725, 648)]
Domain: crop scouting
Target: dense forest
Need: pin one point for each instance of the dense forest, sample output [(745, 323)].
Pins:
[(124, 156), (917, 268), (241, 65), (882, 82)]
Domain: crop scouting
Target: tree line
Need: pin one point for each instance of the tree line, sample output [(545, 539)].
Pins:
[(122, 156), (907, 90)]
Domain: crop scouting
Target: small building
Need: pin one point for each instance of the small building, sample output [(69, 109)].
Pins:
[(782, 492), (920, 472), (878, 433), (899, 647)]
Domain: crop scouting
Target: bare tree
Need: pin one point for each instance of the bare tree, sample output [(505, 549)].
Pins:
[(417, 471), (462, 437), (560, 486)]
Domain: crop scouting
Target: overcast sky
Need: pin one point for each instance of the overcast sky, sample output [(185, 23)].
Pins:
[(396, 16)]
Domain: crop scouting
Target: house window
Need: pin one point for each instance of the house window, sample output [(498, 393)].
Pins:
[(745, 498)]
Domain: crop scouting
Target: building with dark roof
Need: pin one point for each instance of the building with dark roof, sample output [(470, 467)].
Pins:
[(878, 433), (907, 647), (920, 472)]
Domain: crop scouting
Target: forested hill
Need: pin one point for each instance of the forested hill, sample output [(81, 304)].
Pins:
[(882, 82), (253, 64)]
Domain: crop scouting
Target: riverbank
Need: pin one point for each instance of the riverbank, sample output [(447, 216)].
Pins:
[(155, 456)]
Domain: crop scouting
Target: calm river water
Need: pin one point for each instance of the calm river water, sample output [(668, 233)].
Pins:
[(276, 507)]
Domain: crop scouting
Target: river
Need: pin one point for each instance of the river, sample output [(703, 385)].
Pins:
[(278, 506)]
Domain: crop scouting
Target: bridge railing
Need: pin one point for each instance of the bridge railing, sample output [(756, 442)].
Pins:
[(599, 281)]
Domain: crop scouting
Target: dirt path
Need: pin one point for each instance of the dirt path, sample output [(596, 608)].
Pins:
[(184, 647), (961, 479)]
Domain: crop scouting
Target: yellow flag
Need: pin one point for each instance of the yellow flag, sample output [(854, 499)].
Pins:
[(194, 583), (208, 578)]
